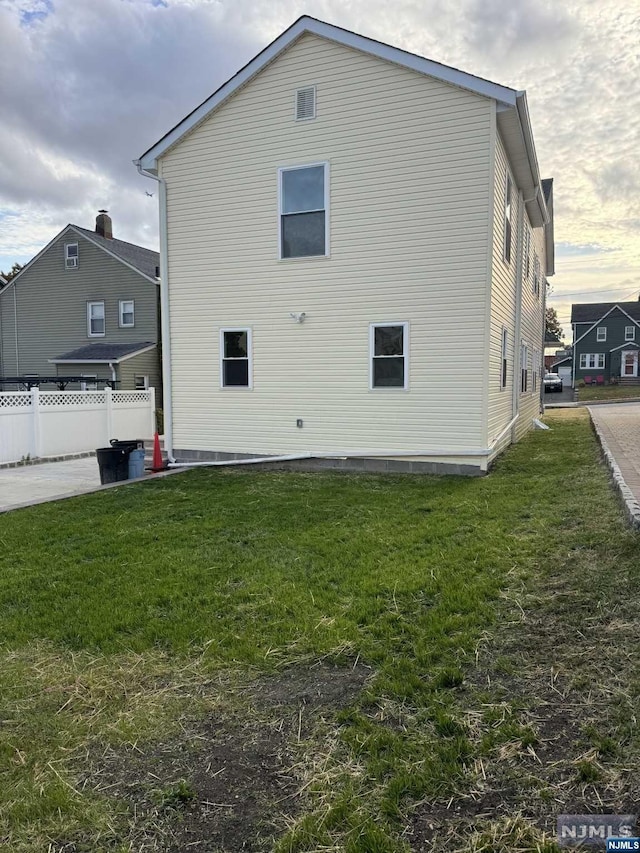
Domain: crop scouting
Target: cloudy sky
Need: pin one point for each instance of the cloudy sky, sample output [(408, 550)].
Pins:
[(87, 86)]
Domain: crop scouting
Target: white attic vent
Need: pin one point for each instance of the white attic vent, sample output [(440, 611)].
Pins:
[(305, 103)]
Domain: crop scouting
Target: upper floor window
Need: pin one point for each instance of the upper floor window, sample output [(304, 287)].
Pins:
[(629, 333), (305, 103), (235, 358), (601, 333), (126, 310), (95, 319), (304, 204), (508, 213), (71, 255), (536, 275), (388, 346)]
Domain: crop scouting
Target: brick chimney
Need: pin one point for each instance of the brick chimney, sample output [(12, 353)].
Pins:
[(103, 225)]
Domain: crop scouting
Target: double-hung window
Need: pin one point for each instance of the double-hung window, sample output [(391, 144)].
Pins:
[(524, 368), (503, 366), (629, 333), (235, 358), (126, 313), (304, 207), (71, 256), (536, 275), (508, 213), (389, 355), (601, 334), (95, 319), (591, 360)]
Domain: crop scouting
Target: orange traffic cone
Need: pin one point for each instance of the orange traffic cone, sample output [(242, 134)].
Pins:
[(158, 463)]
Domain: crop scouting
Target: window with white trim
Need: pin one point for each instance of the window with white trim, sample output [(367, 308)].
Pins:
[(304, 204), (629, 333), (524, 368), (507, 218), (71, 256), (305, 103), (591, 360), (95, 319), (141, 383), (388, 355), (601, 334), (503, 358), (89, 382), (126, 313), (235, 358), (536, 275)]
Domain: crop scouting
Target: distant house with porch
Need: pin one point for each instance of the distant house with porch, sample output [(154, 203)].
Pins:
[(606, 342), (84, 309)]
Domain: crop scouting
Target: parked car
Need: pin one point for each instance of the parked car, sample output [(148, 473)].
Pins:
[(552, 382)]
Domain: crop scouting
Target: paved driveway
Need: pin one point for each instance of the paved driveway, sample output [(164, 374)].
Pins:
[(618, 426), (38, 483)]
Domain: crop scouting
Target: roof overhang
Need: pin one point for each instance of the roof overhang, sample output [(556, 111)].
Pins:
[(102, 360)]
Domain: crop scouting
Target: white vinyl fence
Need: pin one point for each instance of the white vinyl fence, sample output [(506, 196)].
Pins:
[(36, 423)]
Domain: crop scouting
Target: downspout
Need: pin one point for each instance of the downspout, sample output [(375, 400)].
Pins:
[(15, 329), (114, 375), (164, 313)]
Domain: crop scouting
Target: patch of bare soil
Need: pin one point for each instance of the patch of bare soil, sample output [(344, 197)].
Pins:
[(232, 780)]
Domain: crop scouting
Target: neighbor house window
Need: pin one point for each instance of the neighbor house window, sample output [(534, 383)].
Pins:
[(503, 369), (629, 333), (389, 350), (303, 199), (601, 333), (507, 219), (235, 358), (591, 360), (126, 313), (71, 256), (95, 319), (141, 383), (524, 367), (89, 382)]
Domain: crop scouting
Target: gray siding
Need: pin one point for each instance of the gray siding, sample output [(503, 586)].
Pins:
[(50, 304), (612, 347), (145, 364)]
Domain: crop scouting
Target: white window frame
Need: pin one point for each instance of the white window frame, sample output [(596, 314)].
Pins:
[(508, 218), (295, 103), (249, 359), (504, 366), (536, 275), (627, 330), (597, 358), (145, 382), (524, 368), (71, 262), (91, 334), (405, 355), (281, 172), (122, 312), (601, 334), (527, 253), (87, 380)]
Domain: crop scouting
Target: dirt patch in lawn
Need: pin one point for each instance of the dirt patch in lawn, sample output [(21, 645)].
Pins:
[(232, 780)]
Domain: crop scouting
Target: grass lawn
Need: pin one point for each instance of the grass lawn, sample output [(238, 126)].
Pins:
[(608, 392), (238, 660)]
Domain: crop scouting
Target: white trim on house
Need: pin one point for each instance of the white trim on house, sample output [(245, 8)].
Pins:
[(601, 334), (71, 260), (249, 359), (405, 355), (634, 354), (597, 322), (625, 345), (627, 336), (121, 313), (507, 224), (595, 355), (327, 178), (90, 317)]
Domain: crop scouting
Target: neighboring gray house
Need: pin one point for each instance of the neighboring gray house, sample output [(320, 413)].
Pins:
[(87, 306), (606, 342)]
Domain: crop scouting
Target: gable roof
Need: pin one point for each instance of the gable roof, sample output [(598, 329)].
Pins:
[(102, 352), (620, 306), (593, 311), (513, 113), (137, 258)]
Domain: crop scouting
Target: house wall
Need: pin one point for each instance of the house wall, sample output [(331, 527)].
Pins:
[(410, 171), (145, 364), (504, 294), (51, 307)]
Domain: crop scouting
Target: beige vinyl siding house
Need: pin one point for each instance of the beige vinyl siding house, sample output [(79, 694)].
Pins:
[(408, 189)]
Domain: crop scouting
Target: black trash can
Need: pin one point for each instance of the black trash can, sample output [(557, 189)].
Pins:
[(131, 444), (113, 463)]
